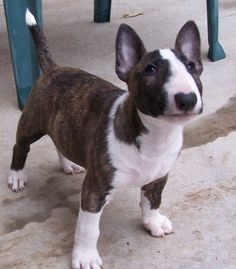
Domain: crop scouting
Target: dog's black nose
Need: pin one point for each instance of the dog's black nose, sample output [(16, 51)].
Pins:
[(185, 101)]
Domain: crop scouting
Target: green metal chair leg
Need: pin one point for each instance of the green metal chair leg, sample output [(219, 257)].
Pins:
[(25, 66), (102, 10), (216, 51)]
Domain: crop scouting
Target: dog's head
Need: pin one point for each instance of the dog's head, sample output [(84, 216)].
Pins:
[(162, 83)]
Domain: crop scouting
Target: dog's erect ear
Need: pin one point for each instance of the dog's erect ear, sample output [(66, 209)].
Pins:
[(129, 50), (188, 42)]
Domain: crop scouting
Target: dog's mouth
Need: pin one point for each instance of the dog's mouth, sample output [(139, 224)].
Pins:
[(182, 116)]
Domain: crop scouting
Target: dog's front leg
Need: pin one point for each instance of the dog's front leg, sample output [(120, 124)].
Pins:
[(153, 221), (85, 254)]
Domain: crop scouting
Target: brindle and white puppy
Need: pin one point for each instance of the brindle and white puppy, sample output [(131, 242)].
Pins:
[(122, 138)]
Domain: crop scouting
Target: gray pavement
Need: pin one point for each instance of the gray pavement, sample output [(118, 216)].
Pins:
[(37, 225)]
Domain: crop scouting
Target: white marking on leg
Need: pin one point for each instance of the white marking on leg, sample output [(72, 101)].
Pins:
[(153, 221), (17, 180), (85, 254), (68, 166)]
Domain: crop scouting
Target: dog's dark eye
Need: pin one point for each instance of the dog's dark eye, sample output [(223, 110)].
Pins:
[(191, 66), (150, 69)]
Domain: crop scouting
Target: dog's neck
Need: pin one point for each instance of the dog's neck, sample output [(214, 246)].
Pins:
[(162, 134), (159, 126), (130, 124), (127, 123)]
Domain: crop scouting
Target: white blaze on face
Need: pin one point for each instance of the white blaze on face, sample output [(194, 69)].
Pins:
[(180, 81)]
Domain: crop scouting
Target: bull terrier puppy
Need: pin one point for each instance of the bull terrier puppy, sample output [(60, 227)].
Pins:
[(122, 138)]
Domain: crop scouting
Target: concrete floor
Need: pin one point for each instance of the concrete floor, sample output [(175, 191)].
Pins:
[(37, 225)]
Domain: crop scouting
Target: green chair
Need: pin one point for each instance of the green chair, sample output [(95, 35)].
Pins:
[(25, 66), (102, 10), (24, 60), (216, 51)]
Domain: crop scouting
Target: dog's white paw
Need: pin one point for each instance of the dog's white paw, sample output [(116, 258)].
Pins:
[(86, 259), (17, 180), (71, 168), (158, 225), (68, 166)]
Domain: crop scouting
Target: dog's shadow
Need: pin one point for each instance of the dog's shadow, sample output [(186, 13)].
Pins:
[(36, 204)]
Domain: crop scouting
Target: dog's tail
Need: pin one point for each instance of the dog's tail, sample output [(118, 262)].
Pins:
[(44, 56)]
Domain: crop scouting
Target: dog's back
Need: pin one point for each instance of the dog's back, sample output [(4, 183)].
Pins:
[(64, 93)]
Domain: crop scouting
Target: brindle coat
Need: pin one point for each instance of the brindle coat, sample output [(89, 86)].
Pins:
[(72, 107)]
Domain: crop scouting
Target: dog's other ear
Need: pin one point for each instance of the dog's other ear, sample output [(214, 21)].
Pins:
[(129, 50), (188, 42)]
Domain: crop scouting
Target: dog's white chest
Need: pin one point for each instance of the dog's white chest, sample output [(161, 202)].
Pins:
[(135, 168), (158, 151)]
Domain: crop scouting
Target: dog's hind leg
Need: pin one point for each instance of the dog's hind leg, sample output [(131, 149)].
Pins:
[(68, 166), (153, 221), (27, 133)]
